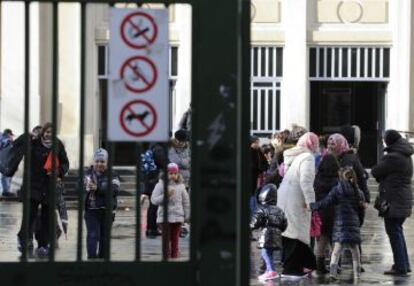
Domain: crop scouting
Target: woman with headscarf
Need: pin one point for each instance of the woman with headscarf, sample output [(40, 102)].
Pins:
[(394, 173), (40, 187), (295, 195), (339, 147)]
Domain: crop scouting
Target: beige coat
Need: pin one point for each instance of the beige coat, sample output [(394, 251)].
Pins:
[(178, 203), (296, 192)]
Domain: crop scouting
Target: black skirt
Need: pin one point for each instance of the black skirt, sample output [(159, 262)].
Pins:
[(296, 256)]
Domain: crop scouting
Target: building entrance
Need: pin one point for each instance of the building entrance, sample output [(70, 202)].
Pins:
[(335, 104)]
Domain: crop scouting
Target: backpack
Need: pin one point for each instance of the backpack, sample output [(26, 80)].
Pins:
[(147, 162)]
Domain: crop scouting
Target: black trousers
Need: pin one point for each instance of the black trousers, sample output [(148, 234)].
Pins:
[(152, 218), (41, 225), (296, 255)]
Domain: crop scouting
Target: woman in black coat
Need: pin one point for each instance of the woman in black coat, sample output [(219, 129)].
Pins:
[(40, 186), (326, 179), (347, 200), (394, 173)]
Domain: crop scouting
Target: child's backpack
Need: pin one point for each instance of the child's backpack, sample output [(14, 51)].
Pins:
[(147, 162)]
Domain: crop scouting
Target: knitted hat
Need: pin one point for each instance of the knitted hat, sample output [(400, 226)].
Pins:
[(100, 155), (173, 168), (391, 136), (181, 135)]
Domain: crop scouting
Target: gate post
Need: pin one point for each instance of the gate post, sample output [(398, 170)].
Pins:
[(220, 180)]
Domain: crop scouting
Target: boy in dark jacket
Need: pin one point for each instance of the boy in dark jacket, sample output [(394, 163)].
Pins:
[(273, 222), (97, 187), (348, 201)]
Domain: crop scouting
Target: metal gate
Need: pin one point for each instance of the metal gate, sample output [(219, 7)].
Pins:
[(219, 240)]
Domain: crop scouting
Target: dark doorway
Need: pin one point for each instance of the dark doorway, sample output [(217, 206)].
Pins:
[(336, 103)]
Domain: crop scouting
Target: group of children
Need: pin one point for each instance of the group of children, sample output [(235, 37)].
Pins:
[(347, 200), (97, 187)]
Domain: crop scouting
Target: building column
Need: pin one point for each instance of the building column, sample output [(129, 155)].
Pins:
[(295, 98), (397, 114)]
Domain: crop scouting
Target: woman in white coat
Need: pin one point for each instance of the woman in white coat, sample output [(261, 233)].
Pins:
[(294, 197)]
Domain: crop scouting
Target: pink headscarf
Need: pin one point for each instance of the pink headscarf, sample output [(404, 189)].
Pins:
[(341, 144), (309, 141)]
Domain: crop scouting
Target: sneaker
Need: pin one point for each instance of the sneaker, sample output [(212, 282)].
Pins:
[(393, 268), (295, 276), (20, 245), (43, 252), (269, 275)]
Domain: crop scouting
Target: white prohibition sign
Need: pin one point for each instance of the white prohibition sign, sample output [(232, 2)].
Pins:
[(138, 118), (138, 30), (139, 74)]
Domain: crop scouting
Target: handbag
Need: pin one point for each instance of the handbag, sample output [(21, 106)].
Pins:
[(316, 224), (381, 204)]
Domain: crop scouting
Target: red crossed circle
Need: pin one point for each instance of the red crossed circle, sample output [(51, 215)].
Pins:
[(141, 31), (148, 128), (132, 64)]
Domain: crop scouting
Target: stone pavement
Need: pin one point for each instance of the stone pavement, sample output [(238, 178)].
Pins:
[(376, 256), (122, 242)]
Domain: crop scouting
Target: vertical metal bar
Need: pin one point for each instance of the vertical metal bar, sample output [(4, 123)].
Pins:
[(27, 157), (267, 109), (381, 63), (325, 60), (365, 62), (333, 55), (274, 50), (259, 109), (349, 62), (259, 61), (267, 51), (139, 151), (373, 62), (340, 63), (81, 186), (55, 97), (109, 203), (251, 63), (317, 61), (358, 62), (251, 105), (274, 109), (165, 228)]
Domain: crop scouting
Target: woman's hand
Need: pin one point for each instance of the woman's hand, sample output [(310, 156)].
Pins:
[(91, 186)]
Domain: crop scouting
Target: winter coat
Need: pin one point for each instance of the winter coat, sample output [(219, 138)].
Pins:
[(39, 179), (296, 191), (161, 161), (348, 203), (258, 166), (326, 178), (394, 173), (182, 157), (350, 159), (178, 203), (273, 222), (97, 199)]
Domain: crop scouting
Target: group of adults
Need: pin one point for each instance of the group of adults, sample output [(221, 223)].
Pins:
[(305, 168)]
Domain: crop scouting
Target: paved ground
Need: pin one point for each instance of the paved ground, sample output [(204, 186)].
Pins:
[(377, 255)]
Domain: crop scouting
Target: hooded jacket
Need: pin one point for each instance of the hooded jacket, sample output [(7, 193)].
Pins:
[(394, 173), (273, 222), (347, 202)]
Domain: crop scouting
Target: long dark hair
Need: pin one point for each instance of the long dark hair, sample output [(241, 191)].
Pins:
[(45, 127)]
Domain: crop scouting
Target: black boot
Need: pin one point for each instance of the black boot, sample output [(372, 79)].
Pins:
[(320, 265)]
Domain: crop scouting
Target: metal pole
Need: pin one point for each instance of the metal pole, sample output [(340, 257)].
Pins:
[(139, 151)]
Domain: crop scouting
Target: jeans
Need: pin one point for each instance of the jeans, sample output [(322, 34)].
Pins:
[(395, 232), (5, 183), (267, 255), (95, 236)]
